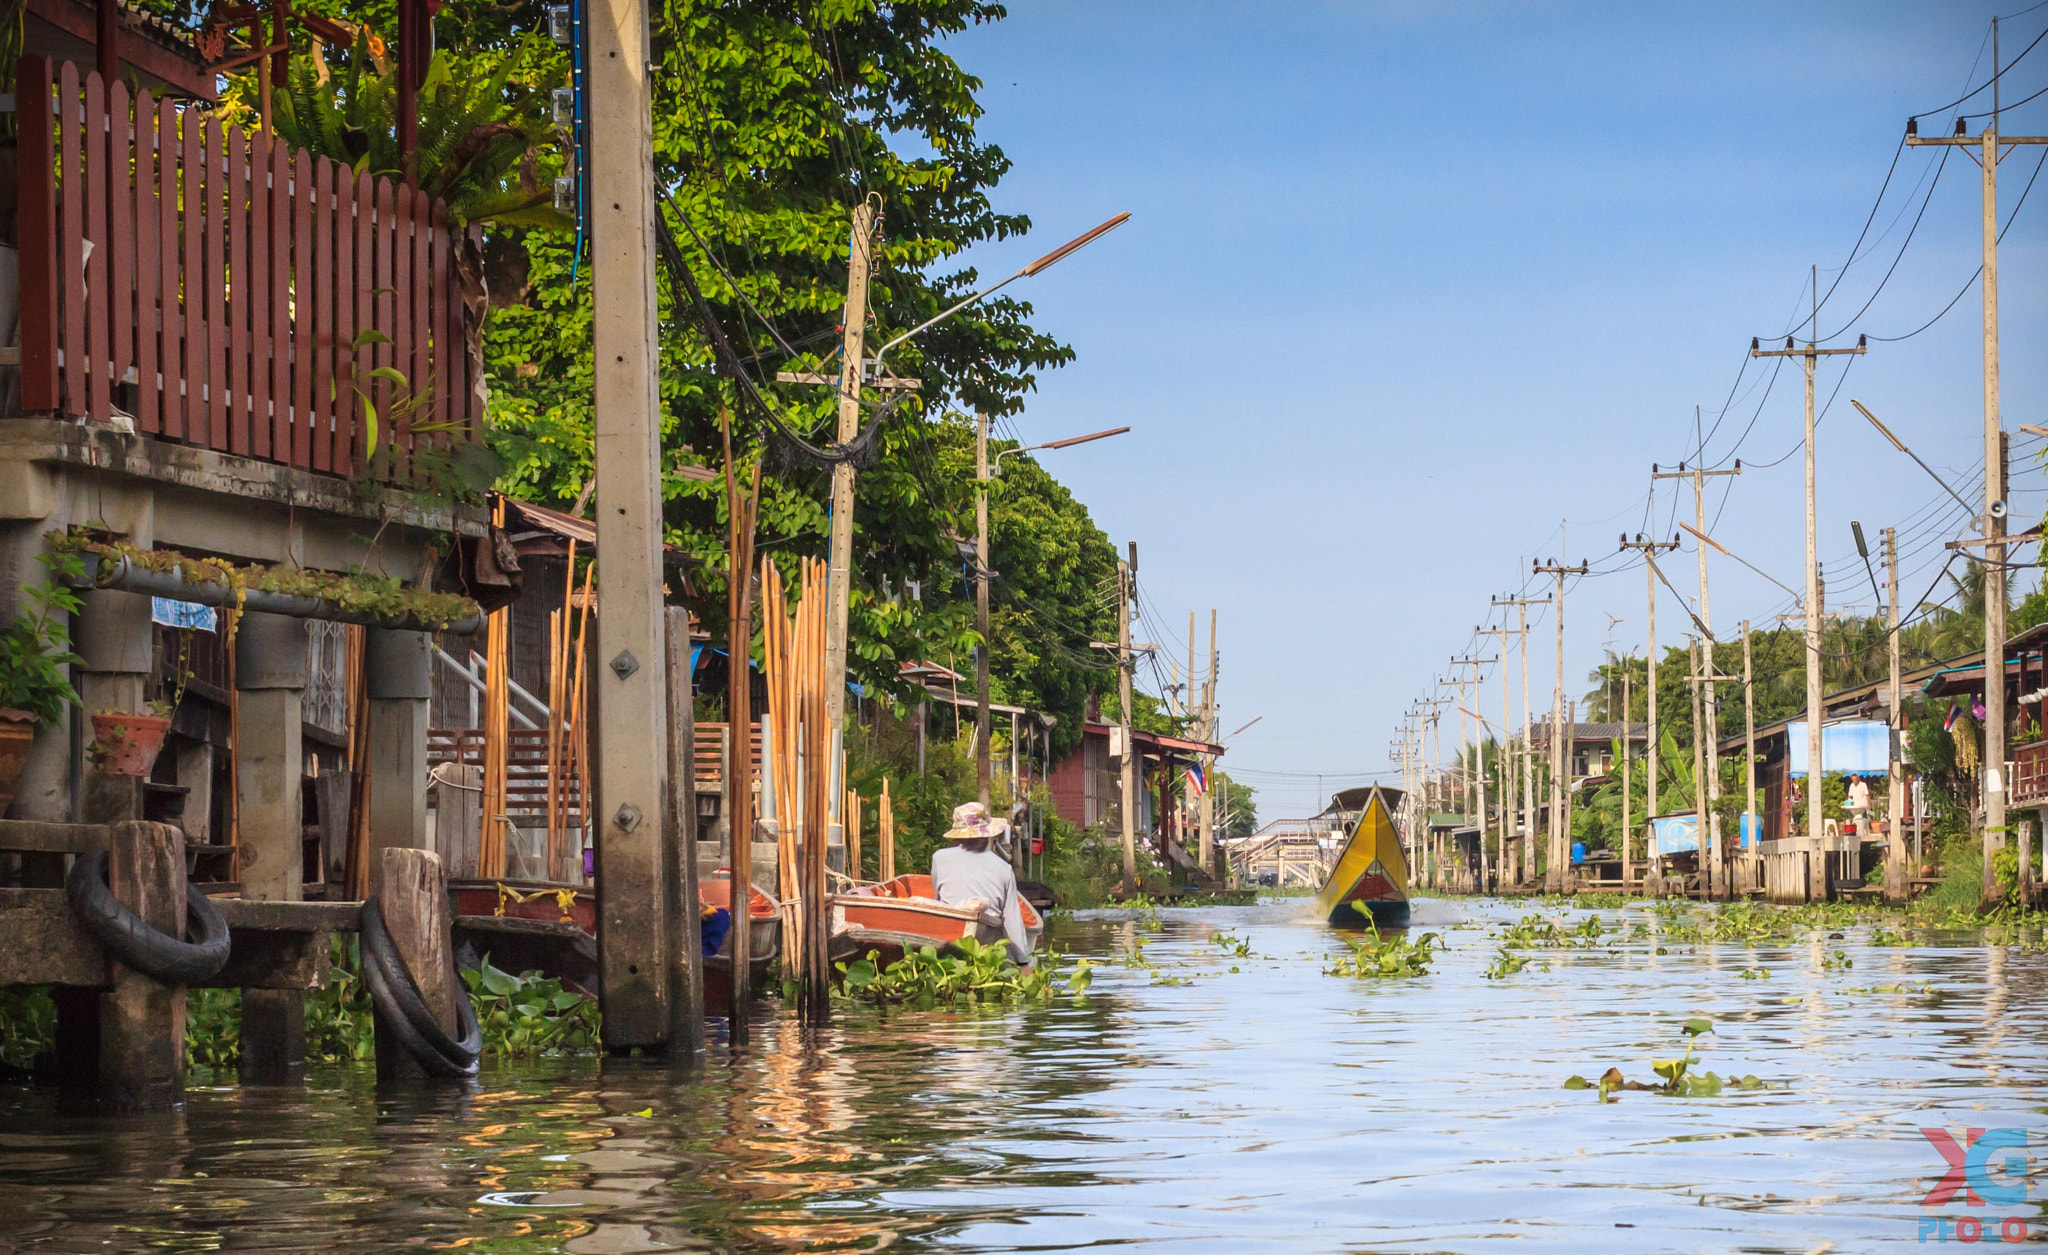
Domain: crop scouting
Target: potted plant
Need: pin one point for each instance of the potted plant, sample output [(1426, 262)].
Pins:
[(35, 653), (126, 744)]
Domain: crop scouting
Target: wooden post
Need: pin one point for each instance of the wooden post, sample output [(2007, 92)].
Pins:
[(413, 894), (637, 933), (142, 1020), (687, 974)]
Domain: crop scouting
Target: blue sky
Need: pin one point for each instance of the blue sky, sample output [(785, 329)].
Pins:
[(1409, 288)]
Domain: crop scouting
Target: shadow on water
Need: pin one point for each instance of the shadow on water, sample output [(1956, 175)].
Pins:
[(1216, 1090)]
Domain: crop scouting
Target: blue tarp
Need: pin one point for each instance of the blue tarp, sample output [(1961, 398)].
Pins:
[(1854, 747), (182, 614), (1674, 834)]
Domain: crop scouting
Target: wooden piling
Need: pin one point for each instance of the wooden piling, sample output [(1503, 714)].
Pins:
[(413, 893), (142, 1019)]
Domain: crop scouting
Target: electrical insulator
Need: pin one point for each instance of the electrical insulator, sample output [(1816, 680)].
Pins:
[(565, 107), (560, 29), (565, 194)]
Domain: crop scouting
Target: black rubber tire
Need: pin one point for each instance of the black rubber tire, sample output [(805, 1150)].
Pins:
[(401, 1007), (128, 938)]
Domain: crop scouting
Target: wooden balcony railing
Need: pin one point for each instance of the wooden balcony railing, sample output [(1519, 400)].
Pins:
[(230, 292), (2028, 777)]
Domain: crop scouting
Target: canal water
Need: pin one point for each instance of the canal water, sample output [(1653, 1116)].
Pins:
[(1198, 1099)]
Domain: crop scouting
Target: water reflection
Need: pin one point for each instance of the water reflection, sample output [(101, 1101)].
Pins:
[(1210, 1102)]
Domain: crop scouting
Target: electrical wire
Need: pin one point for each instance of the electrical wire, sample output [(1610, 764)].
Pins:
[(2002, 72), (1979, 274), (2003, 108), (1900, 255)]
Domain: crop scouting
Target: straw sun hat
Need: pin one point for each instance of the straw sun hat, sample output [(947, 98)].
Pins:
[(972, 822)]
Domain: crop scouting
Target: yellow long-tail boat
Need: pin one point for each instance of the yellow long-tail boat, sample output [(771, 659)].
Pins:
[(1371, 871)]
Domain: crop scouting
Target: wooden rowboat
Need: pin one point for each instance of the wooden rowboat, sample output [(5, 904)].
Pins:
[(547, 926), (1371, 870), (903, 914)]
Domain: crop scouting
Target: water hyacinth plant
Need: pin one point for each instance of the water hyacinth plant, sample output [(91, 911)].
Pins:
[(530, 1014), (967, 972), (1374, 956)]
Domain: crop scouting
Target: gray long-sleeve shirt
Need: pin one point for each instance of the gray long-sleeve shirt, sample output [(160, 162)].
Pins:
[(960, 876)]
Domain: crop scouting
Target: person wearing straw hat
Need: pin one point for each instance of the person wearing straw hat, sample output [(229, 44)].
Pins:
[(966, 872)]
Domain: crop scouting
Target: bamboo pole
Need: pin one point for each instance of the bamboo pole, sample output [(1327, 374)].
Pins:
[(357, 861), (885, 836), (579, 714), (852, 812)]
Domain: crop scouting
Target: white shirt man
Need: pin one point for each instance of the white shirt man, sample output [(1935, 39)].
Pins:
[(968, 873)]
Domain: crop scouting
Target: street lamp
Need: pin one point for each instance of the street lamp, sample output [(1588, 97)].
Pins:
[(1079, 241), (1900, 445), (981, 570), (996, 468)]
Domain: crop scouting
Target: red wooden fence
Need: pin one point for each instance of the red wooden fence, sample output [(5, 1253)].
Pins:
[(216, 284)]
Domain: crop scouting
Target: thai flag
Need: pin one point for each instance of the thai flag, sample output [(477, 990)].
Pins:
[(1949, 724), (1197, 783)]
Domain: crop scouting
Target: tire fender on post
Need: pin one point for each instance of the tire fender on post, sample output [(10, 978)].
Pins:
[(128, 938)]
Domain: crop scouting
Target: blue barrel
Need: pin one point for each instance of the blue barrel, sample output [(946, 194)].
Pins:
[(1578, 851)]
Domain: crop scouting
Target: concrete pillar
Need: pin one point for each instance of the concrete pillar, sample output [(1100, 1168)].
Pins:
[(271, 673), (112, 635), (195, 773), (401, 689)]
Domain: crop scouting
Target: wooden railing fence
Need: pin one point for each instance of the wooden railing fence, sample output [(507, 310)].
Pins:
[(229, 291)]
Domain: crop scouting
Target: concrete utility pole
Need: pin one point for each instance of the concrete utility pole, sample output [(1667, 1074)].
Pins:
[(1507, 776), (1699, 770), (1126, 590), (1553, 875), (1991, 148), (1627, 802), (981, 626), (638, 941), (1651, 744), (1527, 822), (1478, 747), (1754, 821), (1809, 358), (1208, 804), (1895, 767), (1710, 702), (839, 575)]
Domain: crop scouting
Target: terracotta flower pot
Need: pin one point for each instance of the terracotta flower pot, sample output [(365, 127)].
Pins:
[(17, 733), (127, 745)]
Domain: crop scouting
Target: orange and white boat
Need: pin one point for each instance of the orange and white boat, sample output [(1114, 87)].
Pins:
[(904, 914), (764, 936)]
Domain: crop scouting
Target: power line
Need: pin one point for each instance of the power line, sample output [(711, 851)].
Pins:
[(1979, 273)]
